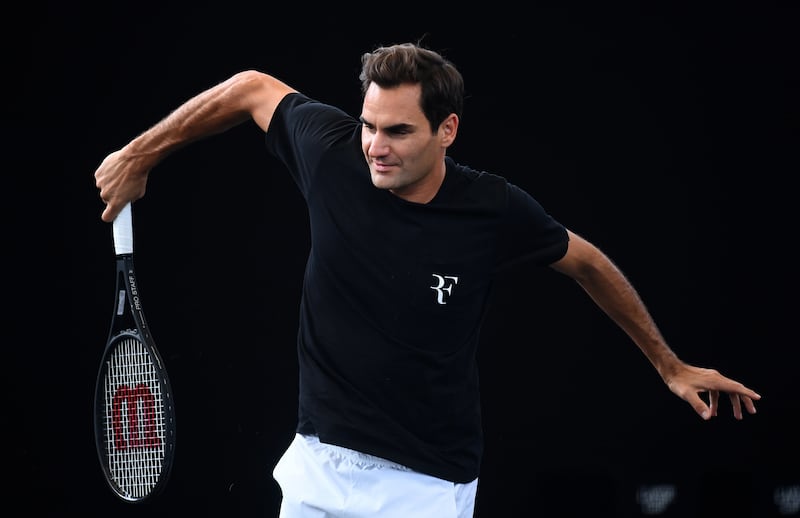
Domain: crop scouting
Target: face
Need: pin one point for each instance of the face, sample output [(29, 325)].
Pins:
[(403, 154)]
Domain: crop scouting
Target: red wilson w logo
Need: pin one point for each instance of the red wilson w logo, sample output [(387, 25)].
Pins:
[(134, 418)]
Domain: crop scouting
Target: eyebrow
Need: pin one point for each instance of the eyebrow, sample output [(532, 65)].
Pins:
[(393, 128)]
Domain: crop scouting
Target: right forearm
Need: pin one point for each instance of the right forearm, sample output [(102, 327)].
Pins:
[(210, 112), (122, 176)]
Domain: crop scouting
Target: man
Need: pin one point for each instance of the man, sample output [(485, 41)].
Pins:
[(405, 246)]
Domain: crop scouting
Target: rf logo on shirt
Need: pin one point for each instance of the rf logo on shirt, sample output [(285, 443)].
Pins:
[(443, 286)]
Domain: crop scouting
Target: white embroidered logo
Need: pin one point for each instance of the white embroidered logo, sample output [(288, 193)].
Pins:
[(445, 285)]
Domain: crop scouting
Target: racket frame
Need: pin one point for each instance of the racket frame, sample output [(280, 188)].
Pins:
[(128, 323)]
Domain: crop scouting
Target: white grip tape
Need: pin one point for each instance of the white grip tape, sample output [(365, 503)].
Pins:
[(123, 231)]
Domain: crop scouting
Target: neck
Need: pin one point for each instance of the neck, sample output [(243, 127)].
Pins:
[(424, 189)]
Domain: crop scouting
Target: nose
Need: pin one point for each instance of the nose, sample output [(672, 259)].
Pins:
[(378, 145)]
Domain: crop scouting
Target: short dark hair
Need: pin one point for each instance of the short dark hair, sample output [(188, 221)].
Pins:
[(409, 63)]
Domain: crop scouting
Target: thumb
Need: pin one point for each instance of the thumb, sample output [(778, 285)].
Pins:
[(110, 212), (699, 406)]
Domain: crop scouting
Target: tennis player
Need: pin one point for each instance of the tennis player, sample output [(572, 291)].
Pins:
[(406, 244)]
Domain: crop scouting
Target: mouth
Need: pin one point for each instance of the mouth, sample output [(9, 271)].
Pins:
[(380, 167)]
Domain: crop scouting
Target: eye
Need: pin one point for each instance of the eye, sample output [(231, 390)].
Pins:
[(364, 122)]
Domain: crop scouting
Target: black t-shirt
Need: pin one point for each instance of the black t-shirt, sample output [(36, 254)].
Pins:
[(395, 292)]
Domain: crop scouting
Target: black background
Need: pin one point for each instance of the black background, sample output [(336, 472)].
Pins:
[(668, 136)]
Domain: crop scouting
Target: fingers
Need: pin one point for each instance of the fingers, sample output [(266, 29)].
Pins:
[(117, 183), (751, 395), (111, 209), (749, 404), (713, 399), (737, 400), (115, 198), (712, 409), (736, 403), (737, 394), (707, 411)]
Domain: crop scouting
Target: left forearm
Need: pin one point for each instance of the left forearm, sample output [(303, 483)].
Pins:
[(611, 290), (616, 296)]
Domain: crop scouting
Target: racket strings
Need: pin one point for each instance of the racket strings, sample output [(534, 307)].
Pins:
[(135, 428)]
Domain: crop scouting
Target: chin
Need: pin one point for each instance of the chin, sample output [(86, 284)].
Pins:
[(382, 182)]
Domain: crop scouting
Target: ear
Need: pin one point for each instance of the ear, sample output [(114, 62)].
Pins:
[(448, 130)]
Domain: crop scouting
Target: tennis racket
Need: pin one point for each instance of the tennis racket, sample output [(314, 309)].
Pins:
[(134, 413)]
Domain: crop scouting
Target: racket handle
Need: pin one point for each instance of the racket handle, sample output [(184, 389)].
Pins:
[(123, 231)]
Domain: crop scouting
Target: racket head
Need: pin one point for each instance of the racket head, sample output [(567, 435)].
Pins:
[(134, 418), (134, 413)]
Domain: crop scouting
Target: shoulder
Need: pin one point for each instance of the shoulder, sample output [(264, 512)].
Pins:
[(468, 187), (468, 176), (492, 190), (298, 114), (296, 104)]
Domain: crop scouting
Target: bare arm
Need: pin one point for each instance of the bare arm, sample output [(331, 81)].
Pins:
[(122, 176), (615, 295)]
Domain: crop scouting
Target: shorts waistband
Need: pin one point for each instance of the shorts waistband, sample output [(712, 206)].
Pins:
[(364, 460)]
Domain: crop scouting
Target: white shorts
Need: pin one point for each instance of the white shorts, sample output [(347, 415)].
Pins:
[(325, 481)]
